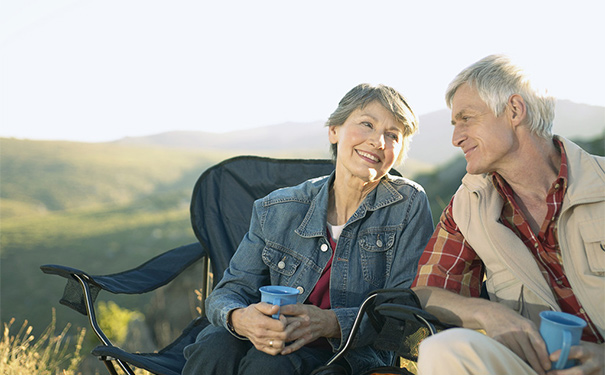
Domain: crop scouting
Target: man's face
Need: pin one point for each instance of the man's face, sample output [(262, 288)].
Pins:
[(486, 140)]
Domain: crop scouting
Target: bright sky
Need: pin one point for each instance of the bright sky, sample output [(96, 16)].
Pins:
[(102, 70)]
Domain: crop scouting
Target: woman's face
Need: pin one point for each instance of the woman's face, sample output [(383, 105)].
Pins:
[(369, 142)]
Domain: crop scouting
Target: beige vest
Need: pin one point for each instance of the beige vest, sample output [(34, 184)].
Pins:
[(512, 274)]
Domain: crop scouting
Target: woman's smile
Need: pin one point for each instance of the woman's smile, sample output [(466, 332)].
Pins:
[(368, 156)]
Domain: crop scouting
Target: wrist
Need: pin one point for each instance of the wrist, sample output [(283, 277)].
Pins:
[(230, 326)]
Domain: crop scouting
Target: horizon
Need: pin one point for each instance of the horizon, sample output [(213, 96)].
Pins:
[(97, 72)]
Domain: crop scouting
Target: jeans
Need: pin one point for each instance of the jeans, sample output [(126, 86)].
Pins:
[(216, 351)]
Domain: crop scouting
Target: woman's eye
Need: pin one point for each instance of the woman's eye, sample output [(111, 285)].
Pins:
[(369, 125), (393, 136)]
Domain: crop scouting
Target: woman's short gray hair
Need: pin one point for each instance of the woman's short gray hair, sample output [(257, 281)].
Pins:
[(496, 79), (363, 94)]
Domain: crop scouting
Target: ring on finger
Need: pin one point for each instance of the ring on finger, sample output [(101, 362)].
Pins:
[(270, 343)]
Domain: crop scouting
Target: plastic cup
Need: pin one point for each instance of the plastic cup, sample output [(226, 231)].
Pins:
[(278, 295), (561, 331)]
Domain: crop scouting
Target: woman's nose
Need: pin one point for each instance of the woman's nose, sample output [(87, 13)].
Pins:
[(378, 140)]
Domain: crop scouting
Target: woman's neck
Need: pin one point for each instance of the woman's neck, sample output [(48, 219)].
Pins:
[(345, 197)]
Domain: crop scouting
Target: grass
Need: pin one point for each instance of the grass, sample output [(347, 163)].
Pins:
[(99, 241), (49, 354), (102, 208)]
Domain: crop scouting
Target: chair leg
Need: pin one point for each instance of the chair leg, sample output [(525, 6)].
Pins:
[(109, 365), (92, 319)]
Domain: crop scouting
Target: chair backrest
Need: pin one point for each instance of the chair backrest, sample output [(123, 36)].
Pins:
[(221, 205)]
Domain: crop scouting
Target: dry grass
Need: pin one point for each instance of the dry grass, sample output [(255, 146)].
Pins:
[(50, 354)]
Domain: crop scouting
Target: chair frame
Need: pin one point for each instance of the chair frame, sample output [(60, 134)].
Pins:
[(81, 289)]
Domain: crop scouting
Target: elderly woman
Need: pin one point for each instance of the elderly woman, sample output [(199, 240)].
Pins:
[(334, 238)]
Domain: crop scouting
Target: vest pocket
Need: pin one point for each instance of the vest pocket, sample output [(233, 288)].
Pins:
[(593, 237)]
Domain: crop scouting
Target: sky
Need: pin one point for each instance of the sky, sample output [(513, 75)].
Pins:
[(96, 71)]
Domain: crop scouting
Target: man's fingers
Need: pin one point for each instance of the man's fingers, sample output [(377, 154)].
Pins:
[(522, 347)]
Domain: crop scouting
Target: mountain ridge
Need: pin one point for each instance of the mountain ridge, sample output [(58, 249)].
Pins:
[(431, 145)]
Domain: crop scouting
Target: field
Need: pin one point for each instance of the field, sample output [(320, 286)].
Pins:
[(105, 208)]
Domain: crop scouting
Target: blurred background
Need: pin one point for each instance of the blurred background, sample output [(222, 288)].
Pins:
[(110, 111)]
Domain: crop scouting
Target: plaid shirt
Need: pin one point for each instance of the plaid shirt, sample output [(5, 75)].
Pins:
[(449, 262)]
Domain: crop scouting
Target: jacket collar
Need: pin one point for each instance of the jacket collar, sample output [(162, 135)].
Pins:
[(315, 221), (585, 175)]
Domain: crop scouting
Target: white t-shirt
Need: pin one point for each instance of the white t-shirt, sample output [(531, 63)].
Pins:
[(335, 231)]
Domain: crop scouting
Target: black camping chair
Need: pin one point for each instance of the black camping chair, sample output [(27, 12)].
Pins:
[(221, 208), (399, 325)]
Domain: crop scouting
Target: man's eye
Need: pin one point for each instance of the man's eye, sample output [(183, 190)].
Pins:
[(369, 125)]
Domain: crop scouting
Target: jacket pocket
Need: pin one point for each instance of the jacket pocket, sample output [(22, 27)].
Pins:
[(376, 248), (280, 259), (593, 236)]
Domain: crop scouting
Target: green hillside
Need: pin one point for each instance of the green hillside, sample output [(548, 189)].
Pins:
[(99, 207), (41, 176), (106, 208)]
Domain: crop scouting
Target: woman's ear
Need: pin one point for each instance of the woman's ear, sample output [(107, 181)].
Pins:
[(518, 109), (333, 133)]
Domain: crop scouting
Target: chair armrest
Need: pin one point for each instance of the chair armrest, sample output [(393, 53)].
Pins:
[(149, 276)]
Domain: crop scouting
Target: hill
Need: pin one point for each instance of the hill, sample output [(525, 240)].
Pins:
[(40, 176), (106, 207), (430, 147)]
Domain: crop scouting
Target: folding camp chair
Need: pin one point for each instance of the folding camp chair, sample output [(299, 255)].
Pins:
[(221, 208), (399, 325)]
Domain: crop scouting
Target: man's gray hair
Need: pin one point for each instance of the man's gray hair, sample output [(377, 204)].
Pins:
[(496, 79)]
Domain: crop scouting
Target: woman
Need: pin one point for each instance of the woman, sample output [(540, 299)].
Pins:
[(335, 239)]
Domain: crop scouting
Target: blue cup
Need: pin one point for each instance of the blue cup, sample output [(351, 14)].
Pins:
[(278, 295), (561, 331)]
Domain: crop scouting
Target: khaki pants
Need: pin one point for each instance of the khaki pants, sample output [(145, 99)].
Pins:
[(460, 351)]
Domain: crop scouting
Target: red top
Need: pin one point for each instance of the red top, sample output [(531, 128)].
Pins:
[(320, 296)]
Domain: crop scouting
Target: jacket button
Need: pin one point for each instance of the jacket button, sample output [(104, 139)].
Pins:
[(281, 265), (300, 289), (324, 247), (379, 243)]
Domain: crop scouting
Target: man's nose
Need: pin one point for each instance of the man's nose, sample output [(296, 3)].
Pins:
[(458, 136)]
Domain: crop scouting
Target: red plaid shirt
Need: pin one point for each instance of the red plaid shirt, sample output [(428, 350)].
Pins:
[(449, 261)]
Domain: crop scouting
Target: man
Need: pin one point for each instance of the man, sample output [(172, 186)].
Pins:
[(529, 218)]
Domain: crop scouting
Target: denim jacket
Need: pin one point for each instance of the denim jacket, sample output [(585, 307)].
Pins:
[(287, 244)]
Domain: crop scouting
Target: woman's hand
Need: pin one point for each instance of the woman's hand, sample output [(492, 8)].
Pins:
[(590, 355), (307, 323), (266, 334)]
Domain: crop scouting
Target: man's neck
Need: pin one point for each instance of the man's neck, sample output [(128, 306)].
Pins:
[(532, 177)]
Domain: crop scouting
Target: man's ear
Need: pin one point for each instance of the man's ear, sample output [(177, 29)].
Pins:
[(517, 108)]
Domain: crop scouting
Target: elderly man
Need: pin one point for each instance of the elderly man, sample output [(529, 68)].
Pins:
[(529, 219)]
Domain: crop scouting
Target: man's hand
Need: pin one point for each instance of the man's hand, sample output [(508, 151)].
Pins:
[(498, 321), (266, 334), (307, 323), (590, 355), (518, 334)]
